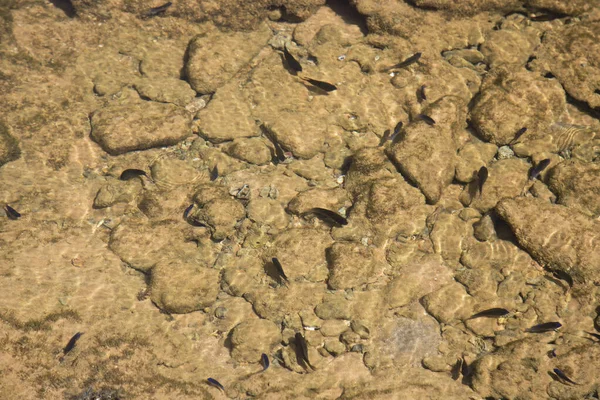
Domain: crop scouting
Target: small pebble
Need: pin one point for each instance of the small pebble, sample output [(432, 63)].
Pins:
[(505, 152)]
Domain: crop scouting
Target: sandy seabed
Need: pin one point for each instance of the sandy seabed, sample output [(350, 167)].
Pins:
[(162, 171)]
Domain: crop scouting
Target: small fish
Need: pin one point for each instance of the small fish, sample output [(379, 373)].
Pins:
[(482, 176), (456, 369), (596, 335), (72, 342), (563, 376), (491, 313), (301, 343), (329, 215), (291, 61), (545, 17), (11, 213), (157, 10), (545, 327), (187, 211), (465, 370), (385, 137), (421, 94), (426, 118), (410, 60), (535, 171), (328, 87), (563, 276), (279, 153), (214, 174), (396, 135), (519, 133), (264, 360), (279, 269), (131, 173), (215, 383)]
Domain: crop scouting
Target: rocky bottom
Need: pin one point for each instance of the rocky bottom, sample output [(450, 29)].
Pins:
[(292, 199)]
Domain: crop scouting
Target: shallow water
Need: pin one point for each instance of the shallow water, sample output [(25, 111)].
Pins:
[(218, 121)]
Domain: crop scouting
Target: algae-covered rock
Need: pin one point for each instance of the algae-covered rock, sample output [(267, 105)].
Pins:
[(449, 303), (577, 185), (420, 145), (227, 116), (555, 236), (143, 245), (506, 178), (351, 265), (290, 247), (251, 338), (252, 150), (182, 287), (217, 210), (471, 157), (9, 147), (120, 129), (499, 112), (166, 90), (214, 57), (415, 280), (571, 54), (116, 192)]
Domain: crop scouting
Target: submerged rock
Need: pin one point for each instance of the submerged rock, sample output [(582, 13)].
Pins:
[(577, 185), (251, 338), (120, 129), (556, 236), (501, 94), (9, 147), (414, 154), (216, 56), (217, 210), (182, 287), (571, 54), (352, 265)]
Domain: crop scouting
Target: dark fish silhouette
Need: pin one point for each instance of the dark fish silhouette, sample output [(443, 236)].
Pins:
[(11, 213), (535, 171), (426, 118), (546, 17), (187, 211), (421, 94), (545, 327), (215, 383), (214, 174), (279, 269), (491, 313), (482, 176), (385, 137), (157, 10), (328, 87), (328, 215), (519, 133), (72, 342), (564, 276), (396, 135), (303, 346), (131, 173), (596, 335), (456, 369), (264, 360), (563, 376), (410, 60), (291, 61)]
